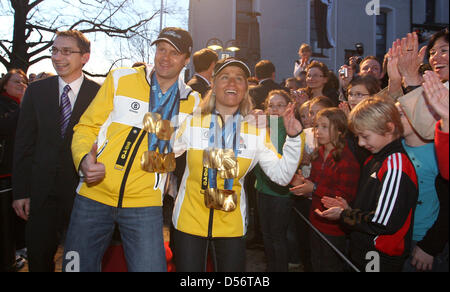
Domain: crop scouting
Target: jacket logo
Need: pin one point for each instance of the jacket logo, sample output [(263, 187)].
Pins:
[(135, 106)]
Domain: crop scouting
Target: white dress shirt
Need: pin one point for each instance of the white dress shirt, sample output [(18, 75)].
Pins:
[(74, 89)]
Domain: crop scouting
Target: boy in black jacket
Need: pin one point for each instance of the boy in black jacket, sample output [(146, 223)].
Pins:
[(381, 218)]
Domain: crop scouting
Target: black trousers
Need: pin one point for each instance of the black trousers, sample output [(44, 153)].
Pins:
[(42, 236), (191, 253), (7, 245)]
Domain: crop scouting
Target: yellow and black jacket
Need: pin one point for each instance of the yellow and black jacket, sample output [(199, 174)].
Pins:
[(190, 214), (115, 120)]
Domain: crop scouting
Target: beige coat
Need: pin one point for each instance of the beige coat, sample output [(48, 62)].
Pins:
[(419, 112)]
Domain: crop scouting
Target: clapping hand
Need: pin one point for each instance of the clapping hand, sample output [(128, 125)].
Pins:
[(437, 95), (303, 189), (330, 202), (333, 213), (395, 78), (334, 206), (410, 59)]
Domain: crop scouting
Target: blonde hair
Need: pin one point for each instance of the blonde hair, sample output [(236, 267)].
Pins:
[(305, 48), (208, 104), (374, 114)]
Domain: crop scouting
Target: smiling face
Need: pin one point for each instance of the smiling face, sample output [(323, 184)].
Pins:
[(277, 105), (439, 58), (315, 78), (16, 86), (69, 67), (168, 62), (230, 87)]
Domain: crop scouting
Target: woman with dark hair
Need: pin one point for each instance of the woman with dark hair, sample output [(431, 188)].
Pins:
[(321, 82), (404, 63), (12, 89)]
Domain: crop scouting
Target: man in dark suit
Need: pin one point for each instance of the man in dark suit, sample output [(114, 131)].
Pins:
[(265, 73), (204, 62), (44, 176)]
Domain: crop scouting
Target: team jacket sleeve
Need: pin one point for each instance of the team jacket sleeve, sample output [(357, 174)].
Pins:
[(280, 169), (442, 146), (395, 204), (87, 130), (24, 147)]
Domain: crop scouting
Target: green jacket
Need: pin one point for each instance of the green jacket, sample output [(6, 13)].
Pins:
[(263, 183)]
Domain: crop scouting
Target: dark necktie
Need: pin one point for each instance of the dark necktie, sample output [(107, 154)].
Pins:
[(66, 110)]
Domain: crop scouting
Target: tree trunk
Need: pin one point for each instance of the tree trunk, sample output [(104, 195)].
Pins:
[(19, 58)]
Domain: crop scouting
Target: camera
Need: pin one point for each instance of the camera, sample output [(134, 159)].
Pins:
[(344, 72)]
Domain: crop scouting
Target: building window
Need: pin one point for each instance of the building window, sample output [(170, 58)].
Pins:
[(321, 39), (247, 33), (430, 13), (381, 35)]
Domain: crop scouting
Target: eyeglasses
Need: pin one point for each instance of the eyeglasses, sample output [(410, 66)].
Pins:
[(63, 51), (277, 106), (357, 94)]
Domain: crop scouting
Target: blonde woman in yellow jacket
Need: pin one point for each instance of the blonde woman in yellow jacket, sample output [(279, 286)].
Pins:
[(211, 206)]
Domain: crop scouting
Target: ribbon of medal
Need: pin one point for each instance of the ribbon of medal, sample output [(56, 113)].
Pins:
[(157, 123), (221, 160)]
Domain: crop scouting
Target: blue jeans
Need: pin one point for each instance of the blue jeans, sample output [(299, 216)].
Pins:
[(91, 228)]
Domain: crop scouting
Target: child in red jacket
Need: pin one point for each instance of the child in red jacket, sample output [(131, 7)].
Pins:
[(334, 173)]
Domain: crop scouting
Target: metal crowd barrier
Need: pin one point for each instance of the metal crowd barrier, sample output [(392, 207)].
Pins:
[(338, 252)]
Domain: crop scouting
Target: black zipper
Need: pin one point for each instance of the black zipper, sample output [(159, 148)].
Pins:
[(127, 170), (210, 223)]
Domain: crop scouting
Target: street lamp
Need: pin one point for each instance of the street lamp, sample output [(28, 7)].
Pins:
[(216, 44)]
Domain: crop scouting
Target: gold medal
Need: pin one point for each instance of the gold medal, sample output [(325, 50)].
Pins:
[(169, 162), (164, 130), (159, 165), (211, 198), (229, 200), (223, 200), (149, 161), (150, 122), (229, 167)]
